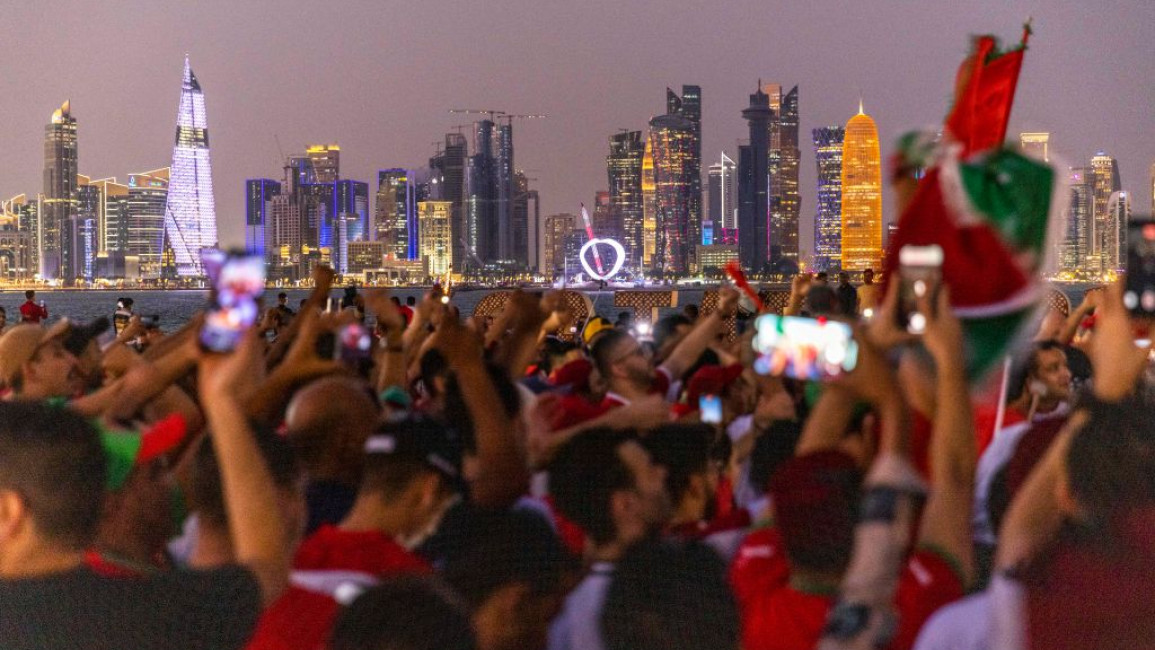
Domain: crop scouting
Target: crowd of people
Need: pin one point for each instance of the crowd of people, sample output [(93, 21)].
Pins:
[(530, 482)]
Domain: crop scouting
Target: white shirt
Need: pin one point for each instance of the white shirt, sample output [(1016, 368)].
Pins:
[(579, 625), (961, 625)]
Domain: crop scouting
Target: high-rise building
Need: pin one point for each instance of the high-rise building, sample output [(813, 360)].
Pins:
[(677, 236), (753, 185), (523, 221), (861, 195), (59, 203), (782, 166), (396, 214), (604, 220), (1075, 254), (828, 214), (319, 209), (86, 236), (689, 106), (112, 215), (352, 210), (190, 220), (28, 214), (1106, 243), (148, 198), (326, 159), (447, 181), (1035, 145), (722, 206), (435, 236), (482, 233), (505, 190), (649, 206), (624, 171), (556, 228), (284, 236), (1119, 214), (259, 193)]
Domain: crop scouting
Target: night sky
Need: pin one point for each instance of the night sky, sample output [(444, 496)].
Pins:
[(378, 76)]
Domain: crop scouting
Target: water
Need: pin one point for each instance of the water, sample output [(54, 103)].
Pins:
[(176, 306)]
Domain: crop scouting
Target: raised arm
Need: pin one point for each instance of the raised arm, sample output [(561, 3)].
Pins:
[(705, 331)]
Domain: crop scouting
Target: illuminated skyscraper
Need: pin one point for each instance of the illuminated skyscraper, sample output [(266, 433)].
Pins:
[(190, 219), (353, 209), (435, 236), (722, 213), (1118, 214), (447, 168), (28, 212), (828, 214), (481, 204), (624, 169), (396, 213), (753, 185), (649, 206), (326, 159), (1106, 243), (782, 166), (1075, 254), (556, 228), (149, 205), (689, 106), (112, 215), (259, 193), (673, 138), (861, 195), (1035, 145), (523, 221), (59, 203), (503, 194)]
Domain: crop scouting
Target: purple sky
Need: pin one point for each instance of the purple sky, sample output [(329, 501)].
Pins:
[(378, 77)]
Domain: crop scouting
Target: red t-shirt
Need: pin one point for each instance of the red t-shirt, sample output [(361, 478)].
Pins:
[(985, 415), (31, 312), (370, 551), (777, 616), (298, 619)]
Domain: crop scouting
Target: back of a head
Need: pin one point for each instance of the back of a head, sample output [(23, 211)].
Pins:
[(54, 460), (670, 597), (583, 476), (667, 327), (821, 300), (1111, 462), (404, 613), (457, 412), (815, 499), (684, 450), (772, 450), (421, 444), (327, 415), (604, 348), (206, 494)]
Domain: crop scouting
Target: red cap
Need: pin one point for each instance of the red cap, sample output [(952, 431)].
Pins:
[(162, 438), (711, 380), (575, 375)]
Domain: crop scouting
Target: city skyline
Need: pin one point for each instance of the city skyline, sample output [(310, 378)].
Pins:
[(259, 96)]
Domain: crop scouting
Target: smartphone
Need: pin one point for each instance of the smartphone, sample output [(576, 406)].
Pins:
[(1139, 292), (803, 348), (233, 307), (919, 275), (711, 408), (354, 343), (212, 259)]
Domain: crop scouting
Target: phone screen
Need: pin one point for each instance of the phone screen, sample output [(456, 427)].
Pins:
[(920, 274), (711, 409), (803, 348), (233, 308), (1139, 294), (212, 259), (354, 343)]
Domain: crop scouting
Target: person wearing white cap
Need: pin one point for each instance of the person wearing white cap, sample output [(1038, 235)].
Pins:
[(34, 363)]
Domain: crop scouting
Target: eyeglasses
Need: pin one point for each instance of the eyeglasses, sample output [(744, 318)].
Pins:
[(637, 349)]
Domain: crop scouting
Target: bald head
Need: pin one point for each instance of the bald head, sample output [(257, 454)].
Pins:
[(328, 422)]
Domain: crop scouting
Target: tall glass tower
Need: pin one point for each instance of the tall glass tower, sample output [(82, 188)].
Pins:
[(674, 141), (723, 206), (624, 169), (861, 195), (190, 218), (753, 185), (828, 217), (59, 204)]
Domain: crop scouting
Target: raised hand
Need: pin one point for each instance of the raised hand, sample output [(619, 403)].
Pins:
[(1116, 359)]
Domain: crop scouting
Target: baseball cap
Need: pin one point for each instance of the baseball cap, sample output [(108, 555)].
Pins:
[(711, 380), (19, 344), (421, 439), (78, 338), (595, 326), (127, 449)]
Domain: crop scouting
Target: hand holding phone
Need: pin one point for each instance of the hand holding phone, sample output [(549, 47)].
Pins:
[(920, 276), (1139, 292), (233, 307), (803, 348), (710, 407)]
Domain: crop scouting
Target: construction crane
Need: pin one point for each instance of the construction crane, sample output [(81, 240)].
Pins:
[(478, 111), (511, 118)]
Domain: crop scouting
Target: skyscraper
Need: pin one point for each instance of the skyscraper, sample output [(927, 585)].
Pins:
[(828, 214), (396, 213), (447, 167), (1035, 145), (190, 220), (1075, 254), (1106, 240), (556, 228), (259, 193), (353, 209), (503, 201), (482, 233), (782, 166), (624, 170), (112, 215), (28, 213), (649, 206), (673, 138), (722, 212), (84, 228), (523, 221), (861, 195), (1119, 214), (753, 185), (148, 196), (326, 159), (689, 106), (434, 245), (59, 203)]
